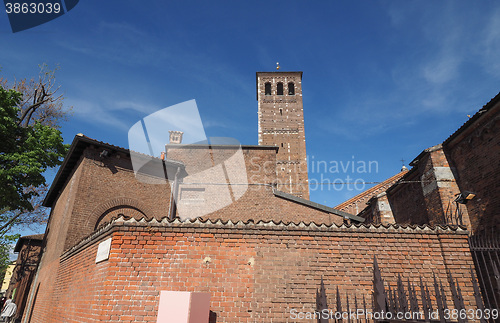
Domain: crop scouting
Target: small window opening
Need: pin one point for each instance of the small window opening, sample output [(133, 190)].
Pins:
[(280, 88), (281, 112), (291, 88), (268, 88)]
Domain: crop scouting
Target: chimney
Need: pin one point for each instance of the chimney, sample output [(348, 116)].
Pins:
[(175, 137)]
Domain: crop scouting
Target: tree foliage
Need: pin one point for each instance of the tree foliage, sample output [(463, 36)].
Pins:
[(27, 150), (40, 100), (31, 112)]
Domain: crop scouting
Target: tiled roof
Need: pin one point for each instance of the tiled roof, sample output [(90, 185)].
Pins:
[(476, 116), (317, 206), (80, 142), (260, 225), (373, 190)]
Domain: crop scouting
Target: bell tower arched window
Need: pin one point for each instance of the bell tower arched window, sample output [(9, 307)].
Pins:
[(268, 88), (279, 89), (291, 88)]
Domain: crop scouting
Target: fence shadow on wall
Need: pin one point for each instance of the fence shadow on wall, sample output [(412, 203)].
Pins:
[(405, 303)]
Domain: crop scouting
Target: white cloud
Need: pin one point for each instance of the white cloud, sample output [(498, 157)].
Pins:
[(490, 50), (93, 112), (443, 70)]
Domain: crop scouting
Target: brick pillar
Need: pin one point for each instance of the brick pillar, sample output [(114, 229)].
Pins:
[(383, 211), (440, 188)]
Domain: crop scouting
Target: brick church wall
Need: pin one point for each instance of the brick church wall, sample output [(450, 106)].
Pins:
[(475, 156), (426, 194), (95, 187), (254, 272), (258, 202), (99, 190), (56, 234), (468, 160), (407, 200)]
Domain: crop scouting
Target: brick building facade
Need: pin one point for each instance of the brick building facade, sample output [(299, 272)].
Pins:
[(357, 203), (468, 161), (29, 250), (259, 257)]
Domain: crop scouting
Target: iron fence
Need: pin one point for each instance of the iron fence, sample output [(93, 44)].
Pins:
[(414, 305)]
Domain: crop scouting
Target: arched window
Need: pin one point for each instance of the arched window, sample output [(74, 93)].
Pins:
[(268, 88), (279, 90), (291, 88)]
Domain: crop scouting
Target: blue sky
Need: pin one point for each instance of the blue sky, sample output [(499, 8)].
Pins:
[(382, 81)]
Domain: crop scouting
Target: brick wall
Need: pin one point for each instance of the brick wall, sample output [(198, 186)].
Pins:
[(55, 238), (475, 157), (258, 202), (407, 200), (24, 272), (100, 190), (97, 189), (109, 183), (254, 272), (378, 210), (426, 194)]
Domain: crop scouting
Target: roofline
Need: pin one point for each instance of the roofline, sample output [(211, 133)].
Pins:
[(280, 72), (208, 146), (317, 206), (48, 198), (37, 237), (81, 142), (425, 152), (473, 119), (393, 179), (396, 185)]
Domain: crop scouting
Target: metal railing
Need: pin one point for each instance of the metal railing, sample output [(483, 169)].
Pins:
[(414, 305)]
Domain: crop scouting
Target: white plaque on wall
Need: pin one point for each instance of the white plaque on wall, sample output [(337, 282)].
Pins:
[(103, 250)]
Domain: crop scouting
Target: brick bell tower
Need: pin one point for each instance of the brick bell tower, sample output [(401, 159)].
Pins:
[(281, 124)]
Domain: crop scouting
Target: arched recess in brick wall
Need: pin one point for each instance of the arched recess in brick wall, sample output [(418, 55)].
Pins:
[(113, 208)]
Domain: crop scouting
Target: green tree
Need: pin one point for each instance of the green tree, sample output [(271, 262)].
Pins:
[(27, 150), (30, 114)]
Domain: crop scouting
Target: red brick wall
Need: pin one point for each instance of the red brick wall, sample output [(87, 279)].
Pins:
[(258, 202), (96, 187), (407, 200), (108, 183), (254, 273), (475, 156), (426, 195), (102, 189), (79, 286), (24, 272), (55, 238)]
